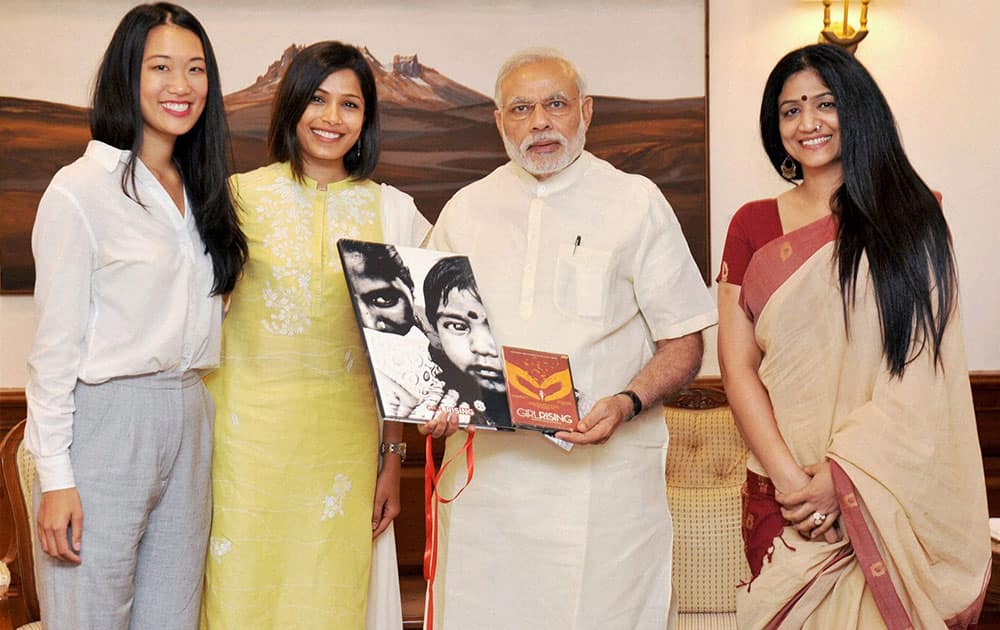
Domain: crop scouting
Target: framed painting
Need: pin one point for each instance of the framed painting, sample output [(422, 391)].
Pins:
[(435, 63)]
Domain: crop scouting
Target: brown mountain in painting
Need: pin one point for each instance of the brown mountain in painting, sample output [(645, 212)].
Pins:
[(265, 86), (408, 83), (437, 137), (413, 85)]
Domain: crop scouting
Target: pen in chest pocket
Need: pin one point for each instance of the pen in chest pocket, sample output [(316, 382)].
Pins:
[(576, 244)]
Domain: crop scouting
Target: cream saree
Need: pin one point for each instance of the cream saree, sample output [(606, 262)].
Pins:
[(905, 455)]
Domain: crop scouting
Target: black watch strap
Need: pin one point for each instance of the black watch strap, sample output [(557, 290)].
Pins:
[(636, 401)]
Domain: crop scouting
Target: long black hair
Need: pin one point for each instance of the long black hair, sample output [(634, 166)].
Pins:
[(202, 155), (885, 210), (309, 68)]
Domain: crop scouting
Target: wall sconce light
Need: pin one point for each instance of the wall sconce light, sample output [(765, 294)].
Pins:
[(842, 33)]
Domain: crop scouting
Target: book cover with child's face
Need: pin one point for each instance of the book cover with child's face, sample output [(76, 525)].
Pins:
[(426, 332)]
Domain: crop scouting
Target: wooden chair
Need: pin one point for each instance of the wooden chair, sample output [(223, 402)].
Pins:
[(19, 602)]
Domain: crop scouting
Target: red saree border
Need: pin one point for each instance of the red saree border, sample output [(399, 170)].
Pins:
[(873, 565), (779, 618), (773, 264), (969, 618), (869, 558)]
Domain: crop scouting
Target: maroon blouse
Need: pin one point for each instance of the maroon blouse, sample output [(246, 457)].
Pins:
[(753, 226)]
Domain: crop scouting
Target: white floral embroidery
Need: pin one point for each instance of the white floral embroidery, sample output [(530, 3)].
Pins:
[(286, 295), (347, 211), (289, 309), (219, 547), (333, 504), (289, 242), (234, 419)]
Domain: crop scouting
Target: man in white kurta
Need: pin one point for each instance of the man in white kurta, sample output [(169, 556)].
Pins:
[(572, 256)]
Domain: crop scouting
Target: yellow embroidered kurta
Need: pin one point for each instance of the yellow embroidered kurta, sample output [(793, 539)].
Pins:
[(296, 430)]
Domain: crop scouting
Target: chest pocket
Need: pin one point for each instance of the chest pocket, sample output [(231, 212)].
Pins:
[(582, 283)]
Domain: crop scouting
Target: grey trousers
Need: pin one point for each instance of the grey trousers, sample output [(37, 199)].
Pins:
[(141, 454)]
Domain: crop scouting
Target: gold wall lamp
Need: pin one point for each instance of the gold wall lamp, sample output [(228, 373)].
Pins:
[(842, 33)]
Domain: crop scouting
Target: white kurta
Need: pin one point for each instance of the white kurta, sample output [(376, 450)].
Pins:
[(590, 262)]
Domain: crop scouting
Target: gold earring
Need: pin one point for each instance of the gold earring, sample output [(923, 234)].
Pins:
[(788, 168)]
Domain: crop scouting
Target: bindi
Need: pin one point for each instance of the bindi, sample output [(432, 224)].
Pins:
[(804, 98)]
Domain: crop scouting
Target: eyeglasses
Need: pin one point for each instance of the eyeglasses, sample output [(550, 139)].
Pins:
[(553, 107)]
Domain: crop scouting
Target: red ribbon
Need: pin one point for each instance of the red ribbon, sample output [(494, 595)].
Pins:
[(431, 502)]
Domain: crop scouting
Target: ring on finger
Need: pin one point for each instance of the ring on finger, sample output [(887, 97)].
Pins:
[(818, 518)]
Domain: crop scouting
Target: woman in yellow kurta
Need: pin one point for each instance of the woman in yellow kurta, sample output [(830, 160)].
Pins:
[(296, 429)]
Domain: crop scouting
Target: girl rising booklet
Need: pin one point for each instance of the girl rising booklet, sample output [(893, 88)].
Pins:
[(540, 390)]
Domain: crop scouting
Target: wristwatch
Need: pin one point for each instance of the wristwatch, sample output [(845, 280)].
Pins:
[(399, 448), (636, 401)]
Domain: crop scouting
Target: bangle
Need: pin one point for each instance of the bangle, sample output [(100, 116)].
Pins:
[(399, 448), (636, 401)]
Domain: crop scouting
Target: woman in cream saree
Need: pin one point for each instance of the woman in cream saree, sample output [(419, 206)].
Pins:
[(865, 499)]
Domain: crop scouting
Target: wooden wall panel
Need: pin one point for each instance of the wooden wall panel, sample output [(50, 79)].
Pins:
[(12, 408)]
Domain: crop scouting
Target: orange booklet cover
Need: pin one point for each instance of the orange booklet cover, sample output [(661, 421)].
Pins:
[(540, 390)]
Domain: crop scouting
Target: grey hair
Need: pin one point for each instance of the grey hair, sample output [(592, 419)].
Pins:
[(536, 55)]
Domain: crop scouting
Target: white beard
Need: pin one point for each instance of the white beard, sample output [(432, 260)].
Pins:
[(547, 164)]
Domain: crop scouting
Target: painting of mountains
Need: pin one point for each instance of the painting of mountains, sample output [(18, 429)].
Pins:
[(438, 136)]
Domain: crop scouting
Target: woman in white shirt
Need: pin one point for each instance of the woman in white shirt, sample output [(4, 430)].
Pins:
[(134, 244)]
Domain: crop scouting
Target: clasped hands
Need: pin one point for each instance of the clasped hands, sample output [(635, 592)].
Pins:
[(596, 427), (812, 510)]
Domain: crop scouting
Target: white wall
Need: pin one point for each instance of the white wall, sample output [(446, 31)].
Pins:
[(939, 72), (464, 39), (17, 327)]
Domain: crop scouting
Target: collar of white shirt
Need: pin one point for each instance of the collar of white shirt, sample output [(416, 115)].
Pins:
[(107, 156), (556, 182)]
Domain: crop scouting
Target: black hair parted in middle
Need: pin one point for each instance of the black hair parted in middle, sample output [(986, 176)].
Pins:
[(202, 154), (885, 211), (308, 69)]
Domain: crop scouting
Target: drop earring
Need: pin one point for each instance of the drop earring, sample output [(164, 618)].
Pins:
[(788, 168)]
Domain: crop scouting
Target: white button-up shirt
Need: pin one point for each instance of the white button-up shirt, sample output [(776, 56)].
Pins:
[(120, 290)]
